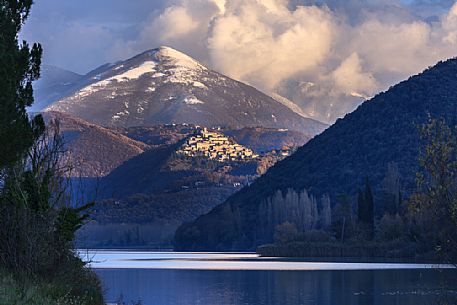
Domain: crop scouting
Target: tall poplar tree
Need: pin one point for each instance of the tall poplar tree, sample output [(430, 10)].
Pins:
[(365, 209), (369, 202)]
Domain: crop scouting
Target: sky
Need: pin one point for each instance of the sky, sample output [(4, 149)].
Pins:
[(327, 56)]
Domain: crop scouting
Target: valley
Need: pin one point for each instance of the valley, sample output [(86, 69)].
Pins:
[(228, 184), (151, 194), (226, 152), (159, 139)]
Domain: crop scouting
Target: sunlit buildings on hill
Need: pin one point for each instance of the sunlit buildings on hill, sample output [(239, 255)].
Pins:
[(215, 146)]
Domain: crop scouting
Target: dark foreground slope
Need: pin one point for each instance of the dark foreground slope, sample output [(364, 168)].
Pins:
[(382, 130)]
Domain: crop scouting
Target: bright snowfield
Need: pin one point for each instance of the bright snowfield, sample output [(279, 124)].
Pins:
[(179, 68), (165, 66), (289, 104), (177, 58), (103, 259), (135, 73)]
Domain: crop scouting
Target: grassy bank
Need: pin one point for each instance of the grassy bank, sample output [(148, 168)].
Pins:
[(80, 288)]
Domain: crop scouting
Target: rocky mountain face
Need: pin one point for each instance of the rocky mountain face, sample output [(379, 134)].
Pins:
[(381, 131), (164, 86)]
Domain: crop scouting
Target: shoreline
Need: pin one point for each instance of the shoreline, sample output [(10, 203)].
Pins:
[(349, 252), (238, 262)]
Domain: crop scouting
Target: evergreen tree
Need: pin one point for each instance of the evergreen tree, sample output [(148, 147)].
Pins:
[(369, 209), (342, 217), (19, 67), (365, 209), (326, 214), (37, 224), (361, 206), (391, 190)]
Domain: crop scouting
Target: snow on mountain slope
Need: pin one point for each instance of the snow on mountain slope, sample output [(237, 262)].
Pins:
[(166, 86), (288, 103), (128, 75)]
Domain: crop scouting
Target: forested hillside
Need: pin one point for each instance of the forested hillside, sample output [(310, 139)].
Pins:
[(357, 148), (92, 150)]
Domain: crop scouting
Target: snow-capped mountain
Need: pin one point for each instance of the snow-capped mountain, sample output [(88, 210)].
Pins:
[(166, 86)]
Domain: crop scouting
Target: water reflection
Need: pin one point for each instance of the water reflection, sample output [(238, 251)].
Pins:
[(254, 287), (228, 261)]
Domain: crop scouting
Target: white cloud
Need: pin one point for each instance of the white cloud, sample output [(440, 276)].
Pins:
[(281, 47), (264, 43), (182, 22), (391, 48), (326, 55), (350, 79)]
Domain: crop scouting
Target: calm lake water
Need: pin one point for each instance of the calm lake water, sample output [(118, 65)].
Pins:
[(160, 278)]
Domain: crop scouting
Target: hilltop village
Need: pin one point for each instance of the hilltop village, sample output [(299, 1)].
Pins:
[(215, 146)]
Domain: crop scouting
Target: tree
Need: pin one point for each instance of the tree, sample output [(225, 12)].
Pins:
[(391, 227), (285, 232), (38, 224), (342, 217), (365, 210), (434, 205), (326, 213), (19, 67), (361, 206), (369, 201), (391, 190)]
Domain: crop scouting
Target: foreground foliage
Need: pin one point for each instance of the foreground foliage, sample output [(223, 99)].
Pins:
[(65, 289), (424, 227), (434, 205), (37, 221), (37, 229), (19, 67)]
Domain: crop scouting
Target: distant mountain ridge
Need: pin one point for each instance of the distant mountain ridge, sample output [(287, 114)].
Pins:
[(54, 84), (262, 139), (164, 86), (94, 151), (336, 162)]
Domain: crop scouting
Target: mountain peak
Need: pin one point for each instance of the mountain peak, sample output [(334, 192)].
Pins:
[(163, 85), (165, 54)]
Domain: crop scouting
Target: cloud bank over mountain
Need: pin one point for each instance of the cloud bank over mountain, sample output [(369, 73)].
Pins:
[(327, 56)]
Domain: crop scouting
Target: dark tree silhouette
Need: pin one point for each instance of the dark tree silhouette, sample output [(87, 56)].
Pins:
[(365, 210), (19, 67)]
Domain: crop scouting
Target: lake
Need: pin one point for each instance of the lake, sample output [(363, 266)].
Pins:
[(167, 278)]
